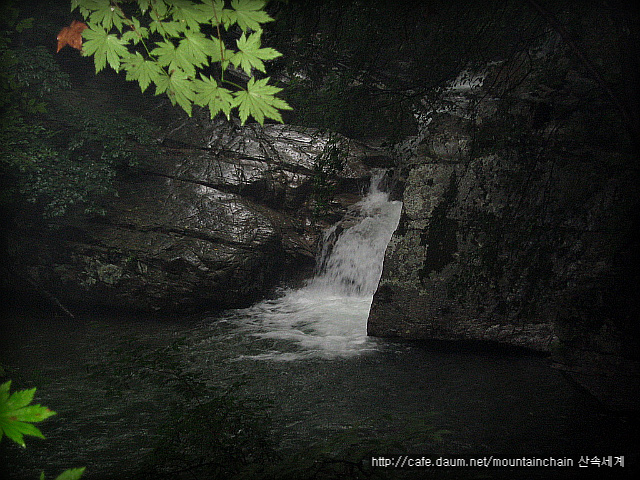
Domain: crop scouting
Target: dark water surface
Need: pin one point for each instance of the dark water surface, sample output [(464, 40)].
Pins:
[(493, 403)]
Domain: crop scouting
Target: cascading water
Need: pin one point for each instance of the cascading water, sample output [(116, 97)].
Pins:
[(328, 317)]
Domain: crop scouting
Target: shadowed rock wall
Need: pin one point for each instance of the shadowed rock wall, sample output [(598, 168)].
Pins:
[(519, 229)]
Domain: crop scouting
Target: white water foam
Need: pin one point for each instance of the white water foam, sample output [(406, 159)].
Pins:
[(328, 317)]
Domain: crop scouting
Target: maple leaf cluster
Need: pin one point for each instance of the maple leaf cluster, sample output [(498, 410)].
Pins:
[(175, 52), (71, 35)]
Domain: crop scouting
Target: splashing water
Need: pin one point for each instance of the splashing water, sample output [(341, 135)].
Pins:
[(328, 317)]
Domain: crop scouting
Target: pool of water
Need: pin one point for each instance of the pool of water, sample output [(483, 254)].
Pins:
[(492, 403)]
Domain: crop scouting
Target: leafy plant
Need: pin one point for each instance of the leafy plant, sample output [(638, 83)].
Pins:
[(17, 418), (172, 44), (55, 168), (25, 74)]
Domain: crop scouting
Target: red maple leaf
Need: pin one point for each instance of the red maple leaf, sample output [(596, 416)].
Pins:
[(71, 35)]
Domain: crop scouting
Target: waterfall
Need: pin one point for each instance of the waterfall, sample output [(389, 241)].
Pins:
[(328, 317), (353, 265)]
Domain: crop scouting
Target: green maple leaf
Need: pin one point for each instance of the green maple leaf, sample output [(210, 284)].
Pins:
[(104, 47), (174, 58), (86, 7), (196, 47), (105, 14), (217, 52), (16, 415), (250, 55), (144, 71), (249, 14), (144, 5), (179, 89), (159, 8), (137, 32), (259, 101), (219, 14), (191, 14), (209, 93), (167, 29)]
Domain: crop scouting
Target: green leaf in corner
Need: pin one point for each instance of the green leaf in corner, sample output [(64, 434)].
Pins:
[(16, 415), (69, 474), (259, 101)]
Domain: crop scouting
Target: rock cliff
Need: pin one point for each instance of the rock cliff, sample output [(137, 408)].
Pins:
[(517, 228)]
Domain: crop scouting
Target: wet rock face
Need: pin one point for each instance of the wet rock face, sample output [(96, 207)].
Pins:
[(507, 249), (512, 240), (217, 221), (440, 280)]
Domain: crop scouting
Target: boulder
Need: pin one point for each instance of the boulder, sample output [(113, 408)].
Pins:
[(218, 220)]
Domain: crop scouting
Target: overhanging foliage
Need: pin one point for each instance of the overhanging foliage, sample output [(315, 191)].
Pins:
[(173, 44)]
